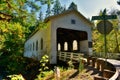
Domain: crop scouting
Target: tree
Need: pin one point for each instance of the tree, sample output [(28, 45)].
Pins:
[(64, 8), (118, 2), (57, 8), (72, 6), (11, 32), (20, 19), (40, 16), (115, 33), (16, 20), (48, 2), (19, 12), (112, 38), (12, 35)]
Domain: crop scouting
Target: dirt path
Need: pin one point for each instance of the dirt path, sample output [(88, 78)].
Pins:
[(93, 71), (87, 74)]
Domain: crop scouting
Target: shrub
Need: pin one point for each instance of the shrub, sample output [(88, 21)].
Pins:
[(43, 67), (70, 64), (14, 64), (16, 77), (81, 65)]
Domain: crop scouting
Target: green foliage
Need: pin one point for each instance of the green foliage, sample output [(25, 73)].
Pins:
[(43, 67), (46, 74), (12, 6), (81, 65), (12, 37), (62, 69), (19, 12), (57, 8), (109, 55), (98, 41), (17, 29), (72, 6), (40, 16), (14, 64), (48, 2), (113, 44), (15, 61), (33, 5), (43, 63), (16, 77), (70, 64), (13, 33)]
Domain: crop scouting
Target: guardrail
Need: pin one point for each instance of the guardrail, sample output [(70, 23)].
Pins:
[(108, 73), (109, 55), (116, 64), (67, 56)]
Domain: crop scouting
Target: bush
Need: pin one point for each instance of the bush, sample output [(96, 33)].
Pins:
[(43, 67), (81, 66), (14, 64), (70, 64), (16, 77)]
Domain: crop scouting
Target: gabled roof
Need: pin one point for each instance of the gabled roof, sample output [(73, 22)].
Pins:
[(68, 12), (62, 14)]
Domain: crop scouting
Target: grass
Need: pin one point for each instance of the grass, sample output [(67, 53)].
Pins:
[(67, 74), (31, 70)]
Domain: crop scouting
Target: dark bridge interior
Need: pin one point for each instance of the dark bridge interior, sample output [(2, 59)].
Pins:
[(69, 35)]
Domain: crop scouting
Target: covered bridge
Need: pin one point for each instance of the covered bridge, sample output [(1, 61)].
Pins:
[(69, 31)]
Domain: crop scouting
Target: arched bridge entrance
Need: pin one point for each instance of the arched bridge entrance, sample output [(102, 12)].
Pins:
[(71, 43)]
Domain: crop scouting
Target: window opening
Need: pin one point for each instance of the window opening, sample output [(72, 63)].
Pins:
[(65, 46), (41, 44), (59, 47), (75, 45)]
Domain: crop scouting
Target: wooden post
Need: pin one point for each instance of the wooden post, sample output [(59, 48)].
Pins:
[(59, 55), (93, 61), (98, 64), (71, 56), (65, 55), (103, 64), (57, 73), (88, 60)]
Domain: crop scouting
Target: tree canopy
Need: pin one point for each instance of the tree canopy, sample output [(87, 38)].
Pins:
[(16, 19), (48, 2), (113, 44), (72, 6), (57, 8), (118, 2)]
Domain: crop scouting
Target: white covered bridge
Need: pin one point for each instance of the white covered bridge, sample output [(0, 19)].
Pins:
[(68, 33)]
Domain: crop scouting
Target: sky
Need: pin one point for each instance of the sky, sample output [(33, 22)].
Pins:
[(91, 8)]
